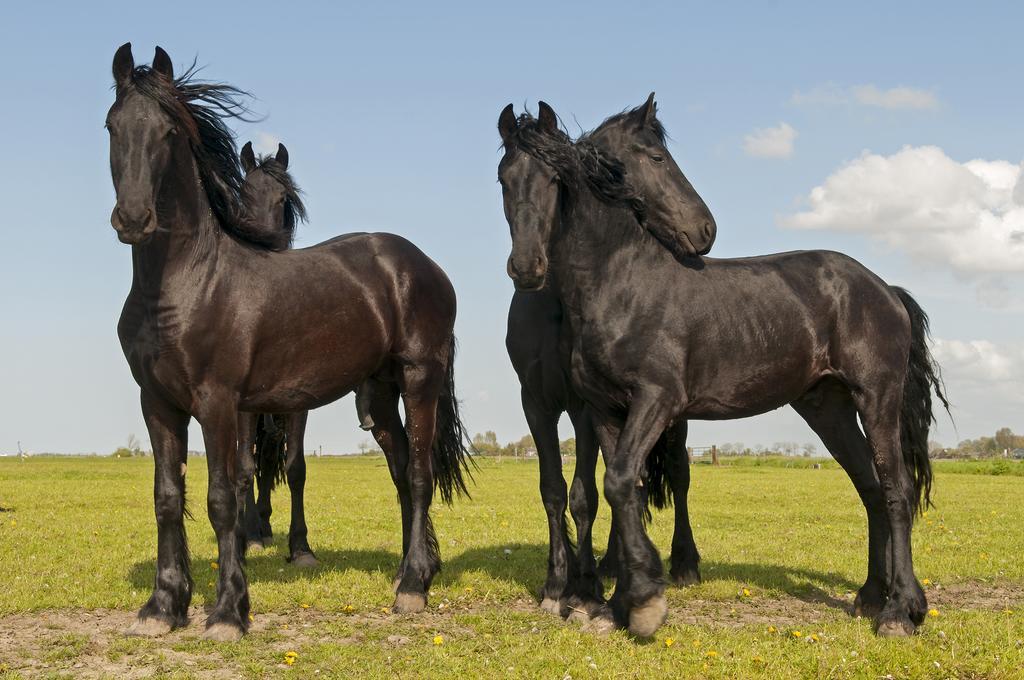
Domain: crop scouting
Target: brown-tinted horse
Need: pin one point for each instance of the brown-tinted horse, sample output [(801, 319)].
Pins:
[(215, 324)]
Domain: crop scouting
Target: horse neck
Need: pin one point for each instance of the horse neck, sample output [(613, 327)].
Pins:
[(591, 233), (188, 238)]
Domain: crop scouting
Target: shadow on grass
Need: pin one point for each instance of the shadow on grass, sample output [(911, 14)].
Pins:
[(523, 564)]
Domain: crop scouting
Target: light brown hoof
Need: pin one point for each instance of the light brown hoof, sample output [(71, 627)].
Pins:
[(895, 628), (148, 628), (305, 561), (599, 625), (646, 618), (223, 632), (551, 606), (409, 603)]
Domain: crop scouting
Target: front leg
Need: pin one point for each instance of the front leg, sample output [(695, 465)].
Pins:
[(167, 607), (230, 616), (639, 598)]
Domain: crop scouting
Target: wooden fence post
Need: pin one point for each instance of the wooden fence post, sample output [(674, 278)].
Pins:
[(714, 455)]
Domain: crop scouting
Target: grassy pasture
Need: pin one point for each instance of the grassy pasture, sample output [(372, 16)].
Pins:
[(784, 549)]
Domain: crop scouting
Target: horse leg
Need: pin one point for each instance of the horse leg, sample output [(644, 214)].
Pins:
[(388, 431), (639, 598), (907, 605), (265, 483), (230, 616), (167, 607), (685, 558), (421, 389), (588, 593), (561, 557), (250, 520), (831, 413), (299, 552)]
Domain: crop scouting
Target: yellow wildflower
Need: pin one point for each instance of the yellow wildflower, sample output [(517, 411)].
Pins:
[(746, 592), (771, 629), (349, 608), (797, 634), (438, 640), (214, 566), (251, 617), (696, 643), (933, 613), (926, 581), (669, 642), (711, 654), (304, 605), (290, 658)]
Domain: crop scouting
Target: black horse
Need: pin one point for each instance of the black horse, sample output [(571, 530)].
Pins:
[(656, 338), (217, 323), (272, 205), (634, 143)]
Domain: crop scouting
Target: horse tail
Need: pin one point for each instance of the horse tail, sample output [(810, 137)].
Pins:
[(659, 492), (271, 451), (916, 417), (450, 455)]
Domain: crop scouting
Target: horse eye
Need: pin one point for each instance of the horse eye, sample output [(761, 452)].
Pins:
[(658, 158), (173, 131)]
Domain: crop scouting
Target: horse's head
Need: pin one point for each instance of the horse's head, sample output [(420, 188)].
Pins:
[(673, 211), (144, 140), (271, 202), (530, 189)]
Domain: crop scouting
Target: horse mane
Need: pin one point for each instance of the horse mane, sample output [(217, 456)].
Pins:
[(654, 125), (294, 208), (199, 110), (578, 163)]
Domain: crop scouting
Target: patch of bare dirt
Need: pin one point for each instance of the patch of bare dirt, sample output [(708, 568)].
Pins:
[(91, 643)]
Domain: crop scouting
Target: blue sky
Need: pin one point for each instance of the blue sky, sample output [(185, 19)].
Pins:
[(389, 113)]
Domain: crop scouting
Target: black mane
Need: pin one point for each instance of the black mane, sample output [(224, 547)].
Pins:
[(653, 124), (578, 163), (294, 208), (199, 109)]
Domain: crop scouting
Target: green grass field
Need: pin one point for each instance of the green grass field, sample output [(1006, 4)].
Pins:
[(784, 549)]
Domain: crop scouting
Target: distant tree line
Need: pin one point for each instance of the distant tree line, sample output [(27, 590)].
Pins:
[(1004, 443)]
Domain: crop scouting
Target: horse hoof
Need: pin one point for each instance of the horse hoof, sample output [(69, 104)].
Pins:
[(409, 603), (598, 625), (551, 606), (898, 627), (686, 578), (646, 618), (150, 627), (305, 560), (223, 632)]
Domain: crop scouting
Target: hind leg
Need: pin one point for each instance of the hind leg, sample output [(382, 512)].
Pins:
[(830, 411), (561, 557), (587, 590), (299, 552), (907, 605), (421, 388), (685, 559), (250, 520), (389, 433)]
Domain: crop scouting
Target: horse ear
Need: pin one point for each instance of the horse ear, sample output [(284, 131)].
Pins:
[(124, 64), (547, 119), (507, 123), (646, 112), (248, 158), (282, 155), (162, 63)]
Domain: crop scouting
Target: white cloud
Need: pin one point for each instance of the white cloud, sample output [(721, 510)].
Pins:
[(983, 383), (867, 95), (774, 142), (967, 216), (265, 143), (894, 98)]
